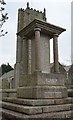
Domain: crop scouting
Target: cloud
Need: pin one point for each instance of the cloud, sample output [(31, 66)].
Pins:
[(57, 13), (39, 1)]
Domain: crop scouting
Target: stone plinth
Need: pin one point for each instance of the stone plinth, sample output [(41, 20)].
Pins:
[(42, 85), (39, 78)]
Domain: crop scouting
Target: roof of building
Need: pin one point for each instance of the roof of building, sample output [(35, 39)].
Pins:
[(67, 68), (11, 73), (8, 74)]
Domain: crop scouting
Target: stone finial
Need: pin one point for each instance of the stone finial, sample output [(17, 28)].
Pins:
[(45, 14), (27, 4)]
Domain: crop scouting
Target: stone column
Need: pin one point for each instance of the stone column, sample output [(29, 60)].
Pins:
[(37, 50), (29, 56), (24, 61), (25, 55), (18, 50), (18, 61), (49, 53), (55, 52)]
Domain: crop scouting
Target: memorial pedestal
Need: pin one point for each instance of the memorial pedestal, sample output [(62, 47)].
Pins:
[(42, 85)]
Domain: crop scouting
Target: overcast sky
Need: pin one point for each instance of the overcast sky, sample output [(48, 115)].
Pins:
[(58, 12)]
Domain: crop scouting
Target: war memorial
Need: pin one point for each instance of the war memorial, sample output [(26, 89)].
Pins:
[(40, 94)]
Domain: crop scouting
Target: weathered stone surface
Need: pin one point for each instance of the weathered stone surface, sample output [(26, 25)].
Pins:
[(55, 108), (9, 93), (39, 78), (22, 109), (53, 95), (0, 113), (42, 92), (38, 102), (31, 102), (63, 101), (11, 115)]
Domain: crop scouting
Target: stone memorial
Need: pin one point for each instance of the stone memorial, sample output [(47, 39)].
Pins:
[(40, 93)]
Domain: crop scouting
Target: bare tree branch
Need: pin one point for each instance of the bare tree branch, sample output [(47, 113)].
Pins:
[(3, 17)]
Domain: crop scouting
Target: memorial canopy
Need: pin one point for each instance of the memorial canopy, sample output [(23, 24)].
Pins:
[(45, 27)]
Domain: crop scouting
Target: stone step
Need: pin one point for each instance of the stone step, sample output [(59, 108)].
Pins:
[(12, 115), (38, 102), (29, 102), (56, 108), (22, 109), (36, 109)]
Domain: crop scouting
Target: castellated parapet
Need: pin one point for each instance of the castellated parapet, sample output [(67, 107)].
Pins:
[(25, 16)]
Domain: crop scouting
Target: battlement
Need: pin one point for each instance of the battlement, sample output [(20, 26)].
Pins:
[(21, 9)]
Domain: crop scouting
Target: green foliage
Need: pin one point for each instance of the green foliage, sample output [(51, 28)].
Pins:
[(6, 68)]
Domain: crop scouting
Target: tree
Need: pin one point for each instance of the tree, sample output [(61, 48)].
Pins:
[(3, 17), (6, 68)]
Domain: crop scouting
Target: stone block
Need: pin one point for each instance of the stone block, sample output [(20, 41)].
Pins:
[(8, 93), (53, 79), (30, 102), (56, 108), (12, 115), (63, 101), (58, 94), (12, 95), (41, 92), (39, 78), (49, 95), (53, 95), (22, 109)]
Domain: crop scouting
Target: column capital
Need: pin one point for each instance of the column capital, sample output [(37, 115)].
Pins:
[(24, 37), (55, 35), (37, 29)]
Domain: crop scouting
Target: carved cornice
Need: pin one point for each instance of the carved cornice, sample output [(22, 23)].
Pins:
[(45, 27)]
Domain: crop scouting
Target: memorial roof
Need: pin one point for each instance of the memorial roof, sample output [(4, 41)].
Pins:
[(45, 27)]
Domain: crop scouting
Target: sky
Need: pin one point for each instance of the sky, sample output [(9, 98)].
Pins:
[(72, 32), (58, 12)]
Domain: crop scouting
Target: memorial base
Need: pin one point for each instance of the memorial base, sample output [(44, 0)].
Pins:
[(45, 99), (42, 85), (40, 92), (30, 109)]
